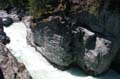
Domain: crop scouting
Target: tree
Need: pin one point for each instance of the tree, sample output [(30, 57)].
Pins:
[(39, 7), (4, 4)]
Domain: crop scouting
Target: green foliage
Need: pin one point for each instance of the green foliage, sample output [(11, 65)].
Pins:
[(39, 7), (3, 4), (93, 10), (13, 3), (18, 3), (36, 7)]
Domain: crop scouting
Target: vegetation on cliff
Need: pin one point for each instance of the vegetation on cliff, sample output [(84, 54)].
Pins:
[(13, 3), (40, 7)]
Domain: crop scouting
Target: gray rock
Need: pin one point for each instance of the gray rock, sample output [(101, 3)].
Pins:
[(97, 53), (92, 46), (105, 23), (14, 17), (10, 68), (7, 21), (3, 13), (4, 39), (54, 41), (62, 46)]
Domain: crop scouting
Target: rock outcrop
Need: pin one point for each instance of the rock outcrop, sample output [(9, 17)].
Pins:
[(81, 32), (4, 39), (10, 68), (13, 16), (7, 21), (92, 52), (96, 52)]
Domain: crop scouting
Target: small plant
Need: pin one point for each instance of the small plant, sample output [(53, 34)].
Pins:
[(93, 10)]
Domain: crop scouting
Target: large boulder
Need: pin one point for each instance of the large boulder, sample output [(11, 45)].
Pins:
[(4, 39), (83, 32), (106, 23), (3, 13), (52, 40), (10, 68), (7, 21), (64, 45), (15, 15), (96, 54)]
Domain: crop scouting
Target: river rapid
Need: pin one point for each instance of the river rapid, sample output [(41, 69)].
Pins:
[(36, 64)]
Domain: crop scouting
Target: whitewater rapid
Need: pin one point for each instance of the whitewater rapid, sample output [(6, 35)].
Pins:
[(36, 64)]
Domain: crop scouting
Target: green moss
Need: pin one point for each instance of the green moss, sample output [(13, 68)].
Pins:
[(93, 10), (40, 7)]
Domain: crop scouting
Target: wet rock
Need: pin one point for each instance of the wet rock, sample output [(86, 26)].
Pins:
[(1, 74), (4, 39), (96, 52), (64, 46), (81, 33), (1, 25), (54, 39), (3, 13), (12, 16), (7, 21), (16, 14), (10, 68)]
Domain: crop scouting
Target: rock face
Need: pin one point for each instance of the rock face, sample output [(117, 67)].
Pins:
[(81, 34), (91, 52), (7, 21), (96, 53), (9, 67), (55, 43), (13, 16), (4, 39)]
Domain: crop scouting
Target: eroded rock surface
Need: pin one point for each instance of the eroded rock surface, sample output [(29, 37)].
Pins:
[(64, 46), (85, 33), (97, 52), (10, 68)]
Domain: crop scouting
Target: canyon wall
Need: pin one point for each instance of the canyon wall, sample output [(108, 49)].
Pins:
[(81, 32)]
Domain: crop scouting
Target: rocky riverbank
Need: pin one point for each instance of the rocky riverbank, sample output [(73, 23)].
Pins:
[(37, 65), (88, 40), (10, 68), (76, 32)]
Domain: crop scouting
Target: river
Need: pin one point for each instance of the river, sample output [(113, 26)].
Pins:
[(36, 64)]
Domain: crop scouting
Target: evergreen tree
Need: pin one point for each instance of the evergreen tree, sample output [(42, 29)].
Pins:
[(37, 7), (4, 4)]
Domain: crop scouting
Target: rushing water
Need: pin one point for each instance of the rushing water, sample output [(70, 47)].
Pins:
[(38, 66)]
